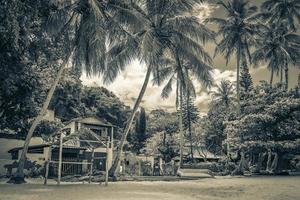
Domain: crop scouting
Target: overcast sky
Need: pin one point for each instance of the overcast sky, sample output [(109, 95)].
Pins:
[(128, 84)]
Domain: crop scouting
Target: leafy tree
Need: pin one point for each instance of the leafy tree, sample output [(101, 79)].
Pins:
[(139, 135), (85, 23), (190, 117), (24, 49), (270, 125), (237, 31), (162, 129), (246, 83)]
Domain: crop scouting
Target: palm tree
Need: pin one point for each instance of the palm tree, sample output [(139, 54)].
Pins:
[(167, 31), (225, 94), (237, 31), (278, 47), (177, 72), (276, 11), (86, 23), (281, 12)]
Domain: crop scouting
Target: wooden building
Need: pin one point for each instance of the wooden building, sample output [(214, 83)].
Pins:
[(72, 150)]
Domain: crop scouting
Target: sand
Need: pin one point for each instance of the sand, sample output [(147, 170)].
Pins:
[(225, 188)]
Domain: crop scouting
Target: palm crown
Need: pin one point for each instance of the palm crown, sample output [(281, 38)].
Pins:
[(282, 10), (278, 47), (224, 95), (238, 32)]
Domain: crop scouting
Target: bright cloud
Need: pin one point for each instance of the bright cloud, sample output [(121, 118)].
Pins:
[(128, 84)]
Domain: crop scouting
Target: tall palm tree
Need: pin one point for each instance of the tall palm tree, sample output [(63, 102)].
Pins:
[(167, 31), (181, 72), (280, 12), (225, 94), (237, 31), (86, 22), (278, 47)]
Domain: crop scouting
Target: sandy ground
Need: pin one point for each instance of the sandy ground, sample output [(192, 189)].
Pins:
[(254, 188)]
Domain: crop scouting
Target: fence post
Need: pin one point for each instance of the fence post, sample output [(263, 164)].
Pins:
[(91, 167), (60, 159), (106, 163), (139, 167)]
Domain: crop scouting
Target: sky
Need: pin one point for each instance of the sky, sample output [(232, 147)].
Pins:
[(128, 83)]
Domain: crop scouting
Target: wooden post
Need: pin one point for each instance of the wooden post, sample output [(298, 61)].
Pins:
[(47, 165), (139, 161), (112, 142), (106, 163), (60, 159), (91, 167)]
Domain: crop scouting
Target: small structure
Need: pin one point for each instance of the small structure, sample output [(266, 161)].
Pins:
[(76, 157)]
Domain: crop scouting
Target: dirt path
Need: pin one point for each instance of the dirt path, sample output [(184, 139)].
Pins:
[(256, 188)]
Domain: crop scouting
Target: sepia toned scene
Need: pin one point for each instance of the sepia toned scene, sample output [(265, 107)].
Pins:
[(149, 99)]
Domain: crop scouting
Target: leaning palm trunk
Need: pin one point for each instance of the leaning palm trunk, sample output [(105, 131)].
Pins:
[(19, 176), (112, 171)]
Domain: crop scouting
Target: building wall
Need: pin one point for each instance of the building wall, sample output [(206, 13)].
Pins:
[(109, 156), (39, 158)]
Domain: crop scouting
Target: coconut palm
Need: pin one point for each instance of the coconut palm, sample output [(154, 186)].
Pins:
[(86, 25), (167, 32), (225, 94), (278, 47), (185, 90), (237, 31), (280, 12), (275, 11)]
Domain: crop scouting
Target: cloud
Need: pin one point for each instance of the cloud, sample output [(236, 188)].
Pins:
[(128, 84)]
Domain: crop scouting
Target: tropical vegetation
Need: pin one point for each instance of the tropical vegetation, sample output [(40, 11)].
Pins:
[(46, 46)]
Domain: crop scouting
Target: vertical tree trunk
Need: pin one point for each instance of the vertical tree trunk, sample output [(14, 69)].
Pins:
[(286, 71), (189, 125), (19, 176), (269, 161), (112, 171), (259, 162), (274, 163), (272, 75), (281, 75), (240, 169), (180, 126), (238, 80)]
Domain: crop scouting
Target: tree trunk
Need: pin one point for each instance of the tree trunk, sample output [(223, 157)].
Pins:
[(240, 169), (269, 161), (272, 75), (180, 126), (190, 126), (238, 81), (274, 163), (286, 71), (281, 75), (112, 171), (260, 160), (19, 176)]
